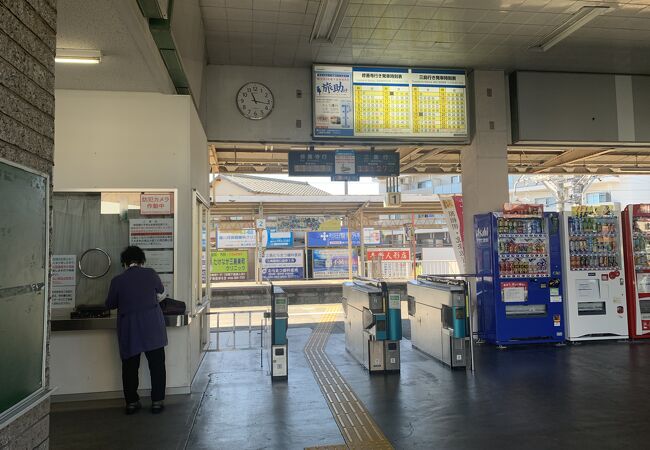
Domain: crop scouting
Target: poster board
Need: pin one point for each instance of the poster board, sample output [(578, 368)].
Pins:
[(24, 247)]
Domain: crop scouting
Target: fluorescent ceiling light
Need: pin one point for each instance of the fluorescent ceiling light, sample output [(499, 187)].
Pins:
[(73, 56), (578, 20), (328, 20)]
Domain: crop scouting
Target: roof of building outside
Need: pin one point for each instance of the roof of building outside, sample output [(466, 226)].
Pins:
[(263, 185)]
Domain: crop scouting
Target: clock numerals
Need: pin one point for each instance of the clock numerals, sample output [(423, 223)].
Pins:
[(254, 101)]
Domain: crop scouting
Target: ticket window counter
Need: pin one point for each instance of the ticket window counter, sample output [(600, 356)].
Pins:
[(90, 230)]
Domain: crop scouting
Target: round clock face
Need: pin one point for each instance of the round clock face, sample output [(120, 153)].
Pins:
[(255, 101)]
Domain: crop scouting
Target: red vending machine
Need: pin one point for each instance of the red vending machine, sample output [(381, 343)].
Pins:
[(636, 243)]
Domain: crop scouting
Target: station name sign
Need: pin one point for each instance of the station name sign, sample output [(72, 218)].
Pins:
[(344, 164)]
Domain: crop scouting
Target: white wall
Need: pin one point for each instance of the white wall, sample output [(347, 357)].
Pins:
[(119, 140), (225, 123)]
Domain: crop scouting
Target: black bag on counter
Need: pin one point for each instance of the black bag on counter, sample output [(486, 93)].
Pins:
[(171, 307)]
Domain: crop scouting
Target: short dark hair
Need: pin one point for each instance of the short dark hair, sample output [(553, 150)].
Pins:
[(132, 254)]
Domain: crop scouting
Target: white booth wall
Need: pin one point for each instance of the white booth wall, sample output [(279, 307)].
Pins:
[(130, 141)]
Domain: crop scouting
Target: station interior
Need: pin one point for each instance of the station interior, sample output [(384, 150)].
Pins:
[(378, 224)]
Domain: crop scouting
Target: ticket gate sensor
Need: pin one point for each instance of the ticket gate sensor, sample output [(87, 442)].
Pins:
[(439, 324), (373, 324), (279, 322)]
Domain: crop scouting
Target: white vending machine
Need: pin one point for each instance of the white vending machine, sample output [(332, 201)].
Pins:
[(594, 277)]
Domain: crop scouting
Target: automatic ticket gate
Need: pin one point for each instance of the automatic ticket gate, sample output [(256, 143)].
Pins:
[(373, 324), (438, 315), (279, 322)]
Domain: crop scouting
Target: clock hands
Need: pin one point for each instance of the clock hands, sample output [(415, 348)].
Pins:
[(257, 101)]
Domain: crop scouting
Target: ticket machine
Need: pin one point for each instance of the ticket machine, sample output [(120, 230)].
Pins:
[(438, 315), (373, 324), (279, 322)]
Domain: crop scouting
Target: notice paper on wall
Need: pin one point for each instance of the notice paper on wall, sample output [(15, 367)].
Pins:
[(168, 283), (160, 260), (64, 280), (514, 291), (151, 233)]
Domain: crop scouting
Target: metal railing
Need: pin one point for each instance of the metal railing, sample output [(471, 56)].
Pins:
[(229, 328)]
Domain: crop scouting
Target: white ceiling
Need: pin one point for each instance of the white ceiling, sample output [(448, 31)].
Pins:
[(130, 59), (451, 33)]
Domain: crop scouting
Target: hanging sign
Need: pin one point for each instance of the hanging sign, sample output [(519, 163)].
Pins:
[(236, 239), (151, 233), (283, 265), (344, 164), (332, 263), (452, 208), (157, 203)]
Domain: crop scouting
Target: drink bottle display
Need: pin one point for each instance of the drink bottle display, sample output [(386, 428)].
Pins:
[(522, 247), (593, 243)]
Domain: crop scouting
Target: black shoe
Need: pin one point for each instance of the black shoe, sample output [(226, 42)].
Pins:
[(132, 408), (157, 407)]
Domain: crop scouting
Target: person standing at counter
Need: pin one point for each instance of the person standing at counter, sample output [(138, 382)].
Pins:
[(140, 327)]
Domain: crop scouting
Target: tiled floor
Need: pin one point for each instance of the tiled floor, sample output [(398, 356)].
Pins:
[(591, 396)]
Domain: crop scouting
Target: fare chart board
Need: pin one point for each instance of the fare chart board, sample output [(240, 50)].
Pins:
[(389, 102)]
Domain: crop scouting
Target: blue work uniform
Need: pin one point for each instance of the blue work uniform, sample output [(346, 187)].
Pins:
[(140, 322)]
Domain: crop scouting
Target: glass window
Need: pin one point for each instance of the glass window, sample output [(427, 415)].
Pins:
[(426, 184), (598, 197), (546, 201)]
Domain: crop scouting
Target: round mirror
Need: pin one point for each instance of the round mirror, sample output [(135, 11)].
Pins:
[(94, 263)]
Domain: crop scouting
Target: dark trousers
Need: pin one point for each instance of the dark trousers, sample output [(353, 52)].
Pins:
[(130, 366)]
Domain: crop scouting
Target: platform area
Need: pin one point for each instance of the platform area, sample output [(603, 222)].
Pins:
[(576, 396)]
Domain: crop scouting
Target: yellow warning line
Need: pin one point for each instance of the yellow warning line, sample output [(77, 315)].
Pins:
[(353, 419)]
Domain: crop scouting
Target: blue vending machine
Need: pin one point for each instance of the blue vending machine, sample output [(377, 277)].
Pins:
[(519, 298)]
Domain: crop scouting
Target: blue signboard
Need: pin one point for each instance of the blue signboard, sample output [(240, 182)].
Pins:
[(278, 239), (332, 238)]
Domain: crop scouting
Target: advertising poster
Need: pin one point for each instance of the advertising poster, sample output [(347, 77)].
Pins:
[(229, 265), (160, 260), (332, 238), (157, 203), (236, 239), (274, 239), (333, 115), (283, 265), (452, 208), (64, 281), (151, 233), (332, 263)]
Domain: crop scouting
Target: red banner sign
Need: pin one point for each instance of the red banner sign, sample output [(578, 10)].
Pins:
[(522, 210)]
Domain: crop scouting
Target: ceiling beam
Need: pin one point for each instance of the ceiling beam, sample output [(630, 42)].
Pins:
[(570, 156), (421, 158)]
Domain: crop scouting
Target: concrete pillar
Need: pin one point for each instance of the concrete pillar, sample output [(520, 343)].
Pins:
[(27, 47), (484, 164)]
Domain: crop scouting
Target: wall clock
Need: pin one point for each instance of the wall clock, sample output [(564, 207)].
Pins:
[(255, 101)]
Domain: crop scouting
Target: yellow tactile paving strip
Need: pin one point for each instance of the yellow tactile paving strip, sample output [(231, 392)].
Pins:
[(353, 419)]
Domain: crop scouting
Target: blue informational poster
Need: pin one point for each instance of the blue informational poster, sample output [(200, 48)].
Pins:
[(333, 263), (283, 265), (332, 238), (275, 239)]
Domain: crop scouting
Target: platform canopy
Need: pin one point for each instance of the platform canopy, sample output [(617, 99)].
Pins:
[(431, 159)]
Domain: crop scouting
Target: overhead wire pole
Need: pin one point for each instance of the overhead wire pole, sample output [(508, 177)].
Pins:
[(349, 228)]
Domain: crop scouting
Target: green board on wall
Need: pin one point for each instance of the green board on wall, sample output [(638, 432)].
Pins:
[(23, 282)]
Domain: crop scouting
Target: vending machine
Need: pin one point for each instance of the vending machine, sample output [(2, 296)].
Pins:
[(519, 289), (636, 248), (594, 280)]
